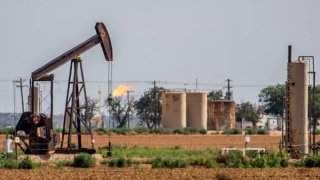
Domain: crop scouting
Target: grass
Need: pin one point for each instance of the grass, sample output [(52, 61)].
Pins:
[(6, 130), (142, 130), (120, 162), (147, 152), (64, 163), (169, 163), (12, 163), (189, 131), (317, 132), (177, 157)]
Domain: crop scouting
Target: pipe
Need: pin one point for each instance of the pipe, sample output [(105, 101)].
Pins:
[(289, 53)]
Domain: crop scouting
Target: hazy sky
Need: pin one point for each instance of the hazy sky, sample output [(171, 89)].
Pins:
[(167, 40)]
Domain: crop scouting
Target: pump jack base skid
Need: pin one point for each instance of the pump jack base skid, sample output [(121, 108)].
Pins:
[(75, 151)]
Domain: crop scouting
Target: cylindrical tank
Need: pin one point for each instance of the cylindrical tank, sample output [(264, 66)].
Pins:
[(221, 114), (174, 106), (298, 106), (197, 110), (36, 99)]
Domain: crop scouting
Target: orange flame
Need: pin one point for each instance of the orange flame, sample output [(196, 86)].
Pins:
[(122, 90)]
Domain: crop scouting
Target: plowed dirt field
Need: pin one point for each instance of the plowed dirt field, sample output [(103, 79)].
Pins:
[(184, 141), (104, 172)]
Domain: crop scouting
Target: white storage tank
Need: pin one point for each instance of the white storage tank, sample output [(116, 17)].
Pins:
[(197, 110), (298, 106), (174, 110)]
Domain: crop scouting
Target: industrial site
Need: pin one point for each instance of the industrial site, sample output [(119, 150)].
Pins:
[(162, 90)]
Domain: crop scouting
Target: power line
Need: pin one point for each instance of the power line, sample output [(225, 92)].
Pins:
[(198, 84)]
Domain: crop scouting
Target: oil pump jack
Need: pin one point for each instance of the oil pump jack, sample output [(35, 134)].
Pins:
[(34, 131)]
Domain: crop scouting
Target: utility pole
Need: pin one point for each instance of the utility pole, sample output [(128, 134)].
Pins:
[(21, 85), (155, 104), (14, 102), (100, 99), (129, 104), (228, 94), (196, 84)]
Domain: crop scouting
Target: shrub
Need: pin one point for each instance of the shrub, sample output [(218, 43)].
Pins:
[(317, 132), (233, 160), (237, 131), (182, 163), (102, 130), (157, 162), (252, 153), (122, 131), (299, 163), (228, 131), (246, 162), (284, 162), (113, 163), (310, 162), (11, 164), (260, 162), (178, 131), (2, 161), (84, 161), (120, 162), (174, 163), (211, 164), (274, 161), (26, 163), (190, 130), (8, 130), (222, 159), (199, 161), (203, 131), (251, 131), (262, 131), (232, 131), (169, 163), (235, 163), (163, 131)]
